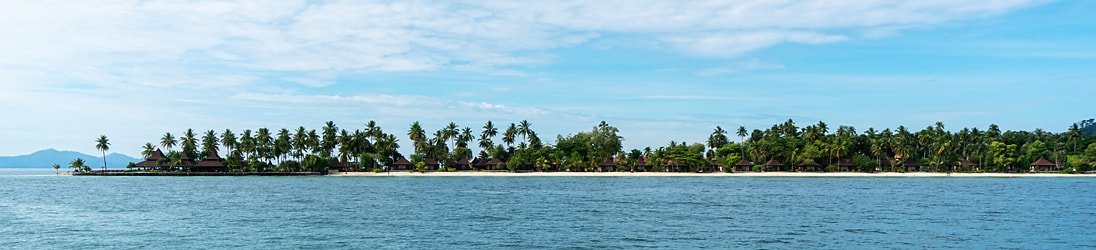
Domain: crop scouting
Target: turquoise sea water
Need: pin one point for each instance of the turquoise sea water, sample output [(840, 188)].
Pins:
[(39, 210)]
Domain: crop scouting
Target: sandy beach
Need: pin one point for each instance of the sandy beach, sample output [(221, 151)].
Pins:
[(664, 174)]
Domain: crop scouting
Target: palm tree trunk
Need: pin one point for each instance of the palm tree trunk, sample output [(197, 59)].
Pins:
[(104, 159)]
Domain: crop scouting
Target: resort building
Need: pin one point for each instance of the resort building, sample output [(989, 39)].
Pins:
[(211, 163), (774, 165), (1043, 165), (845, 165), (401, 164), (809, 166), (743, 166), (152, 162), (911, 165)]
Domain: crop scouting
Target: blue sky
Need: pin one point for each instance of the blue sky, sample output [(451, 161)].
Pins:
[(658, 70)]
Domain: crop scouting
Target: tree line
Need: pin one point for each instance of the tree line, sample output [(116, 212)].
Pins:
[(521, 148)]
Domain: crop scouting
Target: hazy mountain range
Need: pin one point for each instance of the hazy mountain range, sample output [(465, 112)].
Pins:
[(46, 159)]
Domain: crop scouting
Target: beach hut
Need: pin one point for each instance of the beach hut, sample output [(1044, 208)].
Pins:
[(493, 164), (743, 166), (152, 162), (809, 166), (774, 165), (845, 165), (463, 164), (431, 164), (1043, 165), (608, 165), (401, 164), (642, 165), (886, 164), (340, 166), (911, 165), (674, 166), (966, 166), (211, 163)]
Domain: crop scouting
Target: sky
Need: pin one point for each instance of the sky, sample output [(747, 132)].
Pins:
[(658, 70)]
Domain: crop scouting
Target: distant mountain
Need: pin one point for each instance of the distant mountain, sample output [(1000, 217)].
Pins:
[(46, 158)]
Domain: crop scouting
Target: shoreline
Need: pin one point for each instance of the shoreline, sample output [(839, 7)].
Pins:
[(669, 174)]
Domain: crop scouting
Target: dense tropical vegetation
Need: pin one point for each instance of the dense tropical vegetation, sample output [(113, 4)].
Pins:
[(450, 148)]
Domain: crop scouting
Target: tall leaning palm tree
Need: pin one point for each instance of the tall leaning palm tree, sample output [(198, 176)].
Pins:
[(418, 137), (489, 132), (742, 137), (103, 144), (510, 134)]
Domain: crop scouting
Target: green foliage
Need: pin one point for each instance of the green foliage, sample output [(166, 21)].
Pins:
[(1079, 163), (420, 166), (289, 166), (514, 164), (864, 163), (522, 149), (1003, 156), (757, 168), (78, 164)]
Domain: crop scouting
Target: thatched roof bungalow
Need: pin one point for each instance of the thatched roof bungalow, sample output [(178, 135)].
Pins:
[(1043, 165), (774, 165), (211, 163), (809, 166), (743, 166)]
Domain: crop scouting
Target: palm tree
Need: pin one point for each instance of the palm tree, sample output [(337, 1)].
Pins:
[(524, 130), (282, 145), (102, 144), (418, 137), (247, 144), (57, 168), (489, 132), (450, 132), (168, 141), (372, 130), (878, 151), (189, 143), (742, 138), (77, 164), (263, 144), (508, 137), (329, 139), (228, 140), (148, 150), (718, 138), (312, 141), (465, 137), (300, 139), (209, 142), (344, 146)]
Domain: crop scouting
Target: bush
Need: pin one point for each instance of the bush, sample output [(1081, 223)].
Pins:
[(758, 168), (831, 168), (376, 170)]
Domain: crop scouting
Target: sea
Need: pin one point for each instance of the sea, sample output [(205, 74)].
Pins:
[(41, 210)]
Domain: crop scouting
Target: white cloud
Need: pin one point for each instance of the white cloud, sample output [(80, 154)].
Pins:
[(98, 41), (396, 105), (743, 66)]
